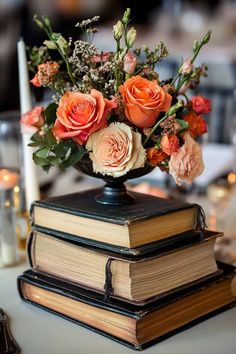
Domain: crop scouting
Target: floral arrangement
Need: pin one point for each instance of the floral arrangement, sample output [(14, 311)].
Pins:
[(113, 106)]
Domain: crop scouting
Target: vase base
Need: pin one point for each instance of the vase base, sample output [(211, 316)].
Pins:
[(115, 196)]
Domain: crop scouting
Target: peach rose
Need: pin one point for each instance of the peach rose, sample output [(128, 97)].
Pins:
[(155, 156), (33, 118), (143, 101), (116, 150), (196, 124), (79, 115), (169, 144), (201, 104), (186, 163), (45, 74)]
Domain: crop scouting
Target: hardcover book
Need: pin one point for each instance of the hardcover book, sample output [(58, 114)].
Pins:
[(135, 279), (149, 220), (127, 323)]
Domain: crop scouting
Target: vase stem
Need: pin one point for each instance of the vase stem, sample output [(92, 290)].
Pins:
[(114, 194)]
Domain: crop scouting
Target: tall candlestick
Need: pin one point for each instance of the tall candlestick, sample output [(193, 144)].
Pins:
[(30, 176)]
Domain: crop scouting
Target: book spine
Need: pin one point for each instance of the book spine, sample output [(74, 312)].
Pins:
[(29, 249), (200, 223), (109, 290)]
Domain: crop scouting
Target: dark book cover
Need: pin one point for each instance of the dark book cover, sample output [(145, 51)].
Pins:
[(140, 251), (161, 249), (83, 204), (120, 307)]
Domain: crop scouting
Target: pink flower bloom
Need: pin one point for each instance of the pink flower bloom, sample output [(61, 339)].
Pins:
[(186, 163), (104, 56), (35, 81), (115, 150), (169, 144), (201, 104), (45, 74), (129, 63), (79, 115), (33, 118), (187, 67)]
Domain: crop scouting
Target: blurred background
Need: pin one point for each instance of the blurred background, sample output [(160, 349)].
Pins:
[(177, 23)]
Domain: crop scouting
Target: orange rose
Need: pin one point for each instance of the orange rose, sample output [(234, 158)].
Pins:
[(33, 118), (79, 115), (45, 74), (196, 124), (143, 101), (155, 156), (169, 144), (201, 104)]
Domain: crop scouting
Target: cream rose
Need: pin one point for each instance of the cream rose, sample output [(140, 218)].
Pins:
[(186, 163), (116, 150)]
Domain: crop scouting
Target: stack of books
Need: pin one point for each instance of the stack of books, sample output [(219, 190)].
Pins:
[(136, 274)]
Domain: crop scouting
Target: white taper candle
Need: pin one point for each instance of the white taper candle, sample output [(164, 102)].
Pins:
[(30, 176)]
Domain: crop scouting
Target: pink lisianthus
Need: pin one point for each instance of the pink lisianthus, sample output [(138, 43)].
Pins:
[(129, 64), (201, 104), (104, 56), (116, 150), (187, 67), (33, 118), (186, 164), (79, 115)]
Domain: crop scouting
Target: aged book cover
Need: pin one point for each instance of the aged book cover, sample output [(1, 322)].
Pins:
[(132, 278), (148, 220), (127, 323)]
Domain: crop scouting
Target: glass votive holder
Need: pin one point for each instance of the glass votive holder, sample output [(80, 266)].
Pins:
[(8, 238), (218, 195)]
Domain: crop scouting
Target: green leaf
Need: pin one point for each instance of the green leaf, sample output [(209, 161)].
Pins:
[(37, 144), (74, 158), (62, 148), (42, 153), (53, 160), (39, 160), (49, 138), (46, 168), (50, 113), (67, 155), (183, 125), (158, 142), (50, 44), (36, 137)]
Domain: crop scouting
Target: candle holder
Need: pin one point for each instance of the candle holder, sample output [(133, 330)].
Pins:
[(8, 239), (11, 167), (219, 195)]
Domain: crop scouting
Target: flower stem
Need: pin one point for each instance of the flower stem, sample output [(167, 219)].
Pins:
[(155, 128), (48, 31)]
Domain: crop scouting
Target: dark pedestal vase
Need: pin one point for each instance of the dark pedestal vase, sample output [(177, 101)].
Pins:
[(114, 192)]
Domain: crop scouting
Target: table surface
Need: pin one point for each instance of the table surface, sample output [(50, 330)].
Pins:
[(39, 332)]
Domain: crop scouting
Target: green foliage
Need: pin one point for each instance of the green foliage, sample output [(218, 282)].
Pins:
[(183, 125), (51, 153), (37, 55), (50, 113)]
